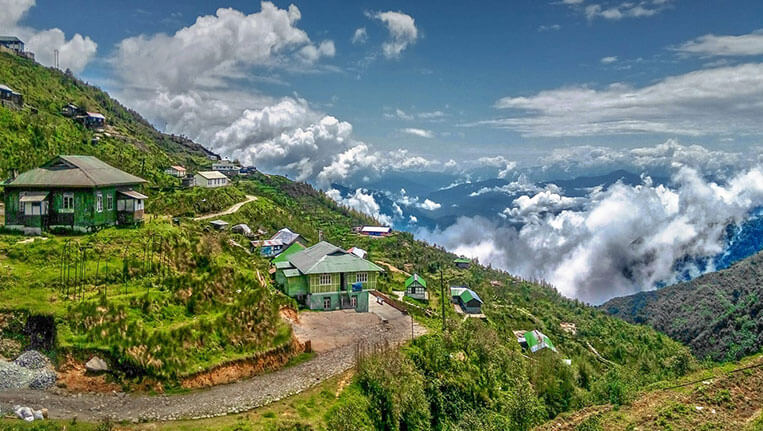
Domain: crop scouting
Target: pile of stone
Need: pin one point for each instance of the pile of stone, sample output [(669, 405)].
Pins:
[(31, 370)]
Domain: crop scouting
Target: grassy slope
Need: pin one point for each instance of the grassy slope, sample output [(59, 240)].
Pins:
[(719, 315), (29, 139)]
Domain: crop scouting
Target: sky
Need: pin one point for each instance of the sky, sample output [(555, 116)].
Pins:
[(425, 82), (517, 92)]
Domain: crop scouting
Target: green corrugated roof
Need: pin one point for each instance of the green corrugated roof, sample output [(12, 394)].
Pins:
[(535, 339), (462, 260), (327, 258), (468, 294), (284, 256), (284, 264), (415, 277), (75, 172)]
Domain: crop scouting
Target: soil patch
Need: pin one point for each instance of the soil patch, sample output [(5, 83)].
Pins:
[(73, 377)]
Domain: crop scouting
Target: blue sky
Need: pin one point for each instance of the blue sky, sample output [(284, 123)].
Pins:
[(438, 97)]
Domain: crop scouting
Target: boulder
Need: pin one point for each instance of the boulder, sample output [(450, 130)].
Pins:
[(96, 365)]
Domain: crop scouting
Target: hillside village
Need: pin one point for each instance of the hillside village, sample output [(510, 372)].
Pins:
[(135, 262)]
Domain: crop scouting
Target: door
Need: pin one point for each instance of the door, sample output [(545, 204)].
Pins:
[(354, 302), (327, 303)]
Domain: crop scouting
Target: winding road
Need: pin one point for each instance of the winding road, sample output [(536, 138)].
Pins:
[(231, 210), (382, 324)]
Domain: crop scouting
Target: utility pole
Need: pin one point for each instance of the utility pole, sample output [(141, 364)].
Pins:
[(442, 297)]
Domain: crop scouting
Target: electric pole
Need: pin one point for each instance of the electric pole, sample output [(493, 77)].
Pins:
[(442, 295)]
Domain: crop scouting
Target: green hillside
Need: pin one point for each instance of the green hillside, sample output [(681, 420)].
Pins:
[(718, 315), (38, 132), (164, 300)]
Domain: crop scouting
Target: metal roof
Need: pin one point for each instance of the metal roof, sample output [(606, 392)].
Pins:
[(465, 294), (327, 258), (177, 167), (357, 251), (133, 194), (416, 278), (219, 223), (285, 235), (283, 257), (10, 39), (288, 273), (376, 229), (283, 264), (212, 175), (537, 340), (96, 115), (75, 172)]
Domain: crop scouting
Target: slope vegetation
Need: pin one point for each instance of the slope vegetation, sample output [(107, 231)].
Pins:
[(719, 315)]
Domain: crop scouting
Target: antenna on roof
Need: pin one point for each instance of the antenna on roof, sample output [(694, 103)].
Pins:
[(55, 58)]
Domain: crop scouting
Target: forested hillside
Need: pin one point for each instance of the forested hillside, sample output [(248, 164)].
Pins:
[(38, 132), (718, 315)]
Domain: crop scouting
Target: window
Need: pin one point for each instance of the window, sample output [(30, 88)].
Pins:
[(110, 202), (32, 208), (327, 303), (354, 302), (325, 280), (361, 277), (67, 202), (99, 202), (139, 205)]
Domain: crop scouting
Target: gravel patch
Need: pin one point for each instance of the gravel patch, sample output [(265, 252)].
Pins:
[(30, 370), (33, 360)]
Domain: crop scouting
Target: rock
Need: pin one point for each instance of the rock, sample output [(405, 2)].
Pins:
[(96, 365), (43, 379), (32, 359)]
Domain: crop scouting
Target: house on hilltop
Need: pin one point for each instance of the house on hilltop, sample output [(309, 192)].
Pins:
[(325, 277), (467, 299), (534, 340), (416, 287), (13, 43), (176, 171), (226, 167), (210, 179), (374, 230), (74, 193), (462, 263)]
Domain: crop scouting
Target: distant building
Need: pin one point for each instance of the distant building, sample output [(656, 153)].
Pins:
[(75, 193), (226, 167), (219, 224), (13, 43), (210, 179), (278, 243), (176, 171), (374, 230), (462, 263), (468, 299), (534, 340), (71, 110), (325, 277), (92, 120), (8, 96), (416, 287)]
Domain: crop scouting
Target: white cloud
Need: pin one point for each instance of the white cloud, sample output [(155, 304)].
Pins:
[(617, 11), (402, 31), (551, 27), (429, 205), (710, 45), (74, 53), (620, 241), (608, 60), (422, 133), (361, 201), (360, 36), (713, 101)]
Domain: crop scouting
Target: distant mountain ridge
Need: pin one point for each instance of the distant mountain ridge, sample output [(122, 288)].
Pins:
[(718, 315)]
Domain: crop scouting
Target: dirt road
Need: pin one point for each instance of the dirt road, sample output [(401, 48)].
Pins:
[(231, 210), (334, 336)]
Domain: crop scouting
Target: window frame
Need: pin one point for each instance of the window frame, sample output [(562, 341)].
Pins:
[(361, 277), (99, 202), (110, 202), (325, 279), (67, 202)]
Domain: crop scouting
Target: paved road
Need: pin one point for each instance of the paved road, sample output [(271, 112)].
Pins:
[(225, 399), (230, 210)]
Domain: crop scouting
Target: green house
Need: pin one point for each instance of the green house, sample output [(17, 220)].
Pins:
[(72, 193), (325, 277), (416, 287)]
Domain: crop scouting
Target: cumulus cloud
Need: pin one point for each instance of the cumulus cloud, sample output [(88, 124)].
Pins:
[(608, 60), (551, 27), (422, 133), (429, 205), (622, 240), (549, 201), (402, 32), (711, 45), (718, 101), (363, 201), (360, 36), (74, 53)]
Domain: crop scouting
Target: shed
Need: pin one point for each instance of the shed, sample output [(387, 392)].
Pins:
[(462, 263), (536, 340), (93, 120), (176, 171), (8, 95), (219, 224), (416, 287)]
